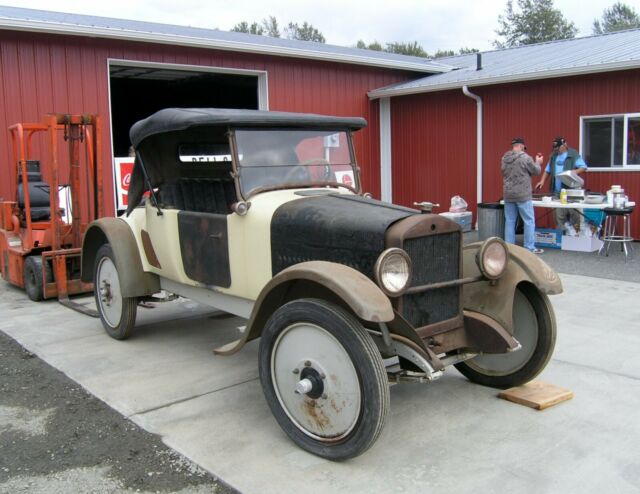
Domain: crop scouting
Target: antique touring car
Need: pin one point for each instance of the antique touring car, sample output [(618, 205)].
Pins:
[(262, 215)]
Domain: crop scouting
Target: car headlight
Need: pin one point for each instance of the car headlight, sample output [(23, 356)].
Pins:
[(492, 258), (393, 271)]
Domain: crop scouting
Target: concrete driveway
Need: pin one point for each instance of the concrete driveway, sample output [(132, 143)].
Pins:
[(450, 436)]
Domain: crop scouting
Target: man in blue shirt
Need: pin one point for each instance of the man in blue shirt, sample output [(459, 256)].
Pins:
[(563, 158)]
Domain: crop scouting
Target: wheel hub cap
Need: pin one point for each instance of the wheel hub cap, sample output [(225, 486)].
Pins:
[(316, 382), (109, 298)]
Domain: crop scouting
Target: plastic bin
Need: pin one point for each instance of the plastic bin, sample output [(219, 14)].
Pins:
[(490, 220)]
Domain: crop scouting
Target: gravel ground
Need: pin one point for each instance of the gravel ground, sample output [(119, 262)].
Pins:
[(57, 438)]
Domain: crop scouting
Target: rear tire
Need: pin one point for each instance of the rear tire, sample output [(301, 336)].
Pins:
[(314, 343), (535, 328), (117, 313), (33, 277)]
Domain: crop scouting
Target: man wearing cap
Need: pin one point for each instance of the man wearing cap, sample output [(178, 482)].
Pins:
[(517, 169), (563, 158)]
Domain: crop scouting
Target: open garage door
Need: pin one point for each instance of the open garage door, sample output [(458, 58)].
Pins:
[(138, 89)]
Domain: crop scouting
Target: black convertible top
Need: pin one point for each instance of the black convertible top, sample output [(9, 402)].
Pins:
[(173, 119)]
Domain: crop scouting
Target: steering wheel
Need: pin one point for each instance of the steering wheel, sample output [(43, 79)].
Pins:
[(296, 173), (319, 161)]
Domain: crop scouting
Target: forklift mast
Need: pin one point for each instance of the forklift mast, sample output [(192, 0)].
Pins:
[(40, 242)]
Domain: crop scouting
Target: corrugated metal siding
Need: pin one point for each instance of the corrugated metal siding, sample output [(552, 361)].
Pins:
[(541, 110), (434, 139), (44, 74), (433, 148)]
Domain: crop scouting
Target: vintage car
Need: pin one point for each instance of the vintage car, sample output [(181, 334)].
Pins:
[(261, 214)]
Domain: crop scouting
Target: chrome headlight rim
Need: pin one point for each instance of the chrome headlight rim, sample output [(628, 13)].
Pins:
[(481, 257), (380, 264)]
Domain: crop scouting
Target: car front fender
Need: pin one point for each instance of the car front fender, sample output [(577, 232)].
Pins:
[(495, 298), (134, 281), (316, 279)]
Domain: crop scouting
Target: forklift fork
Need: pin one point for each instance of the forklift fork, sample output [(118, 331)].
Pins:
[(62, 285)]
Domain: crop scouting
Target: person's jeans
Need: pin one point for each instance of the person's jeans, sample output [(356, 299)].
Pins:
[(563, 216), (511, 210)]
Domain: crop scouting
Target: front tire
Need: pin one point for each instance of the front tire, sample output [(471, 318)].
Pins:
[(34, 273), (323, 379), (535, 328), (117, 313)]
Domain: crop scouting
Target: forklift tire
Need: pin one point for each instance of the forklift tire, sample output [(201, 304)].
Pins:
[(117, 313), (33, 278)]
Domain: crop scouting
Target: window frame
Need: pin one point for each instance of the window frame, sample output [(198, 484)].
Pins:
[(624, 167)]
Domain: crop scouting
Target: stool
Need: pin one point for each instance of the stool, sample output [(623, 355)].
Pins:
[(610, 233)]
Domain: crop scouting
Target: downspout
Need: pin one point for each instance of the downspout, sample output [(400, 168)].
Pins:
[(466, 92)]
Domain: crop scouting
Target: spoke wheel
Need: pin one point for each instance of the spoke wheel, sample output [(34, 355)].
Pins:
[(323, 378), (117, 313), (534, 327)]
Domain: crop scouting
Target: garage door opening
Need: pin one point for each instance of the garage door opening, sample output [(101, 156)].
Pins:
[(139, 91)]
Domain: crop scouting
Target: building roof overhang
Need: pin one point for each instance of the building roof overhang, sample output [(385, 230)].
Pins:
[(18, 19)]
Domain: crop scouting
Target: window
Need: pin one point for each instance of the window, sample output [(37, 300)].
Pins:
[(611, 141)]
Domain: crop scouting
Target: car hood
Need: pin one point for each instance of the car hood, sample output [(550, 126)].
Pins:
[(340, 228)]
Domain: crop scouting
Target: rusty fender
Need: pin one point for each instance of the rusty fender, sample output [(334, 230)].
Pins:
[(496, 299), (329, 281), (134, 282)]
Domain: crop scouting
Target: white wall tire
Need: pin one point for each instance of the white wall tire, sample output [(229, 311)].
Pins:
[(117, 313), (342, 412)]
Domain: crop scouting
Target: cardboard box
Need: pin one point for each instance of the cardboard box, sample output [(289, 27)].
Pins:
[(581, 244), (463, 219), (548, 238)]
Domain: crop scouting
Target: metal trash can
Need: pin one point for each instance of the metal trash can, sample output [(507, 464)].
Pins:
[(490, 220)]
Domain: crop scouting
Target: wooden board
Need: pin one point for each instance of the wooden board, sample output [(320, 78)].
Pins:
[(537, 394)]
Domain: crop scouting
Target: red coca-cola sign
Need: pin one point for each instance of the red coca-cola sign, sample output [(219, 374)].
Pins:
[(122, 169)]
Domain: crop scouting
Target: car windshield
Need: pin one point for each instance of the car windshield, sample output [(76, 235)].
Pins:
[(286, 158)]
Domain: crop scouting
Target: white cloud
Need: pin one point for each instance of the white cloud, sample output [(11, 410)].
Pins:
[(435, 24)]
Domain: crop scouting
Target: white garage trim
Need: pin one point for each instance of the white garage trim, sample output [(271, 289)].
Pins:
[(386, 190)]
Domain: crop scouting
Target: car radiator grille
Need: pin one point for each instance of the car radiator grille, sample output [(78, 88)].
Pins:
[(434, 259)]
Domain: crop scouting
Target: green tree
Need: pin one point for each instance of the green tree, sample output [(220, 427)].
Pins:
[(410, 48), (444, 53), (376, 46), (413, 49), (535, 21), (304, 32), (245, 27), (617, 18), (270, 26)]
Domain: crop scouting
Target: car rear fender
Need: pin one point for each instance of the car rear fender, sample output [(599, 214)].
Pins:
[(495, 299), (330, 281), (134, 281)]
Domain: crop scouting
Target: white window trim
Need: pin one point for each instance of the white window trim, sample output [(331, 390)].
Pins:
[(624, 167)]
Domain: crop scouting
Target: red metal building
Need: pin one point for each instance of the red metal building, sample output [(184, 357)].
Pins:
[(586, 90), (125, 70), (436, 129)]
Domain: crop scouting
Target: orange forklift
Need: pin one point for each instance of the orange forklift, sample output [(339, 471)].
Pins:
[(56, 197)]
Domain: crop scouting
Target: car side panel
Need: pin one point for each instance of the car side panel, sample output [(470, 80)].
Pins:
[(250, 244), (163, 233), (204, 247)]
